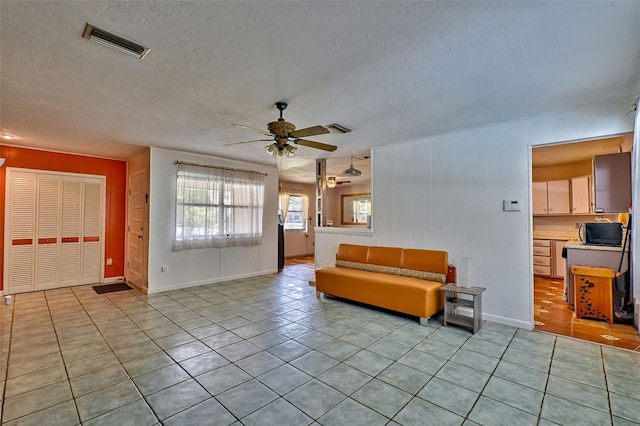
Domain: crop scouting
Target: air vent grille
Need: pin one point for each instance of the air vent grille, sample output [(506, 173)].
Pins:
[(114, 41), (337, 128)]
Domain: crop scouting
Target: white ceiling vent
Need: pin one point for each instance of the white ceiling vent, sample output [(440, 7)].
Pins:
[(113, 41), (337, 128)]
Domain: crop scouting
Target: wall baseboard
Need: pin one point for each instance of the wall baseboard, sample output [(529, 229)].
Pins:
[(508, 321), (178, 286)]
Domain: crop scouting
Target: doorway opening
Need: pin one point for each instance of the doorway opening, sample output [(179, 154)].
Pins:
[(563, 198)]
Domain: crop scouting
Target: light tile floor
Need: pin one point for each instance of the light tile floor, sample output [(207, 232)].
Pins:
[(265, 351)]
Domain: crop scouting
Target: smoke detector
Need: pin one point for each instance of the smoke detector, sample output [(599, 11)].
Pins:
[(114, 41)]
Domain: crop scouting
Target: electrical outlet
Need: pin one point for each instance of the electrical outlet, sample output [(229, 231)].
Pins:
[(163, 268), (109, 261)]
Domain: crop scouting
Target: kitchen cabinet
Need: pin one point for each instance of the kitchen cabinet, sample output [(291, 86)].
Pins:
[(551, 197), (559, 263), (612, 182), (547, 258), (539, 197), (580, 199), (542, 257)]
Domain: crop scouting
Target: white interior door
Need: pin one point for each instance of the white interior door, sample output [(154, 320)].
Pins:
[(92, 226), (54, 230), (71, 222), (136, 251), (20, 232), (47, 231)]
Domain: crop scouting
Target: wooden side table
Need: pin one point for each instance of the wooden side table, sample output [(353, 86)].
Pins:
[(451, 302)]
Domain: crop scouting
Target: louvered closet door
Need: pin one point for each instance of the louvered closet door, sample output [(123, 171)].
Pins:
[(70, 231), (47, 230), (21, 232), (92, 231)]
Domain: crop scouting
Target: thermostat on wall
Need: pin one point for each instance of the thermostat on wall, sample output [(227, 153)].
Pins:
[(511, 206)]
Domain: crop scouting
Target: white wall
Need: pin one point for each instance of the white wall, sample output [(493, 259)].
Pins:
[(446, 192), (194, 267), (329, 238)]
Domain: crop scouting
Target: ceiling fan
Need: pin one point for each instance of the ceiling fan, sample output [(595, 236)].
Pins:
[(332, 182), (283, 132)]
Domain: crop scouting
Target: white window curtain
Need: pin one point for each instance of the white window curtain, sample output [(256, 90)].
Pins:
[(284, 203), (218, 207)]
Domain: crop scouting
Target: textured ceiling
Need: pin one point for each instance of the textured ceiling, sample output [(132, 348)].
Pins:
[(390, 71)]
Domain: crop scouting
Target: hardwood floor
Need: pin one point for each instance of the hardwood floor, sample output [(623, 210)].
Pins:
[(303, 268), (552, 314)]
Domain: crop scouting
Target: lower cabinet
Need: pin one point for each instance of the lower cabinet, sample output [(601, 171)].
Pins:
[(542, 257), (547, 258), (559, 262)]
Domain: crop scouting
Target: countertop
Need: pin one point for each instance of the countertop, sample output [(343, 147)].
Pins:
[(592, 247)]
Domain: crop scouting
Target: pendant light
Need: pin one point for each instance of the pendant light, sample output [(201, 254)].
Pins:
[(351, 171)]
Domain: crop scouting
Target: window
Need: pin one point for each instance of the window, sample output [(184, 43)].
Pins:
[(218, 207), (295, 216), (294, 205)]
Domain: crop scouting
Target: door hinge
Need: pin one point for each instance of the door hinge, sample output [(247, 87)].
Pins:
[(129, 228), (129, 191)]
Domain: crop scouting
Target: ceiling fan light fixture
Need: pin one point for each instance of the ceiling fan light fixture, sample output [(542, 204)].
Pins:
[(331, 182), (351, 171), (280, 151)]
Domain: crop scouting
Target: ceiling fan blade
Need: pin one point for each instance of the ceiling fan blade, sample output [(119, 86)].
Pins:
[(309, 131), (242, 126), (314, 144), (254, 140)]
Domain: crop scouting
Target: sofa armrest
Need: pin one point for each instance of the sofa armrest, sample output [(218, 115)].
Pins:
[(452, 274)]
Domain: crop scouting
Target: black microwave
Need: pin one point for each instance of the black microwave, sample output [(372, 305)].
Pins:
[(602, 233)]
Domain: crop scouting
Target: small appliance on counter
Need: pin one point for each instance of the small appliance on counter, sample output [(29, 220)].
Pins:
[(601, 233)]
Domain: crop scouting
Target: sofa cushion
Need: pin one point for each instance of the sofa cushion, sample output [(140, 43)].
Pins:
[(351, 265), (382, 269), (426, 260), (385, 256), (423, 275), (352, 253)]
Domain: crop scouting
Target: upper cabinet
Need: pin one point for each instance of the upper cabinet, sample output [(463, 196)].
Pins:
[(580, 200), (551, 197), (612, 182)]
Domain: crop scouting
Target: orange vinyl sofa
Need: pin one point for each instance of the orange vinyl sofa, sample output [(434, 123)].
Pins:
[(402, 280)]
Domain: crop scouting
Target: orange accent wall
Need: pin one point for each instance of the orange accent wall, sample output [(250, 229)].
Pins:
[(115, 208)]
